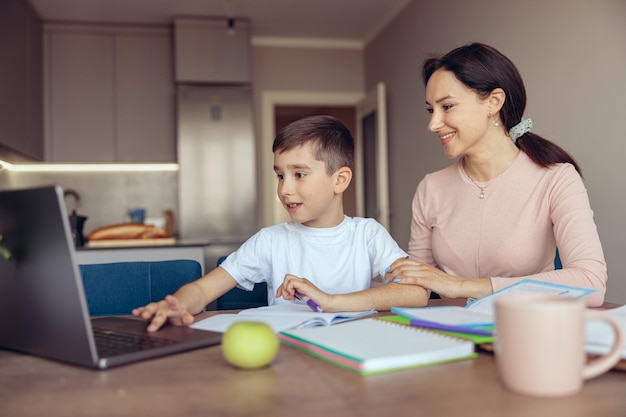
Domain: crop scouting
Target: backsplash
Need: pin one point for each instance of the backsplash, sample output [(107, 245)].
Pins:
[(106, 197)]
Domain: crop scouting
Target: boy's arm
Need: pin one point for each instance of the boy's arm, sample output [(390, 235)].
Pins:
[(380, 297), (188, 300), (210, 287)]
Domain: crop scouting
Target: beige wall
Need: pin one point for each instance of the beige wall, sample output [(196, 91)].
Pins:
[(297, 76), (572, 57)]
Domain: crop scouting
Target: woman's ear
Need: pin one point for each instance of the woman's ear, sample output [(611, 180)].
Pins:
[(496, 99), (343, 176)]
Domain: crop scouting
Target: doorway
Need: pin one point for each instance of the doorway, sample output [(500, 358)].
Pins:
[(352, 109), (283, 115)]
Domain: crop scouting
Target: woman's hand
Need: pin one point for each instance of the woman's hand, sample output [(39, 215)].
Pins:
[(409, 272), (168, 309)]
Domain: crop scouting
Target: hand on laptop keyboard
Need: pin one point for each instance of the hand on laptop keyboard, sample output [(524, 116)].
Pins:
[(158, 313)]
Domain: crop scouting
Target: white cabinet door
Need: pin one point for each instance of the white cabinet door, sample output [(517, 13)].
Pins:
[(79, 105), (144, 85), (21, 111), (109, 94)]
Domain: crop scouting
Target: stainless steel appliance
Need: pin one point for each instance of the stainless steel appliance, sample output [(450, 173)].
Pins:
[(216, 154)]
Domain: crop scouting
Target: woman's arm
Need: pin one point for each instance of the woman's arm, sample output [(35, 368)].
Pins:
[(576, 238)]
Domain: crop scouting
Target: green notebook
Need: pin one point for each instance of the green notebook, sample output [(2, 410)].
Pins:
[(372, 346)]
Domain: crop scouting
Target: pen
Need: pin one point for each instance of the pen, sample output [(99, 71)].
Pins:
[(312, 304)]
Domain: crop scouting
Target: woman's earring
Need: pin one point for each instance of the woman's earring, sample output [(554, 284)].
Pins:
[(494, 121)]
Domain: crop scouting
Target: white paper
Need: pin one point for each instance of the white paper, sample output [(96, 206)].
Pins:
[(599, 335), (527, 287), (280, 317)]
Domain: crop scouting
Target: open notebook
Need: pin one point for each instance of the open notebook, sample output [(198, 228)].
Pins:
[(372, 346), (280, 317)]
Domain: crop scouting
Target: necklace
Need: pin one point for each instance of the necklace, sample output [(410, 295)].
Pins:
[(482, 189), (482, 194)]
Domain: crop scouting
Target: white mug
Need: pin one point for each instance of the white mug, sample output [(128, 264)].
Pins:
[(540, 344)]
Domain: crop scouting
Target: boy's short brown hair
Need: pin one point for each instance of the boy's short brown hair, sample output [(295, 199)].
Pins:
[(332, 139)]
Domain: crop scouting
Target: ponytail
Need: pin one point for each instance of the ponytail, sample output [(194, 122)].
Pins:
[(543, 152)]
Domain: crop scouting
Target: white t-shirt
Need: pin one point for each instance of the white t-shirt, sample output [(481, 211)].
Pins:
[(338, 260)]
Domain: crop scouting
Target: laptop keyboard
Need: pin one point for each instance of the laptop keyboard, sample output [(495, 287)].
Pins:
[(111, 343)]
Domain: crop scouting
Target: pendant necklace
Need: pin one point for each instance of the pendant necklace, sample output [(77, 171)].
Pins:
[(482, 189), (482, 194)]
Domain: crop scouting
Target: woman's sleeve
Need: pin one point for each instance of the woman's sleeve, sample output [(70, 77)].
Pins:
[(576, 237), (420, 242)]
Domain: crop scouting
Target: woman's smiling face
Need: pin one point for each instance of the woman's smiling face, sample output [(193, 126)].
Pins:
[(459, 116)]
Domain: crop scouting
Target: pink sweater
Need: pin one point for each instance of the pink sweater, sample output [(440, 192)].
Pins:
[(514, 231)]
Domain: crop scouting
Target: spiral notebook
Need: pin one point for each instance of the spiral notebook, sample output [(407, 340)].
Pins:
[(372, 346)]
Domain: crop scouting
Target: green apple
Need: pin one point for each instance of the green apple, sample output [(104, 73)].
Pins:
[(250, 344)]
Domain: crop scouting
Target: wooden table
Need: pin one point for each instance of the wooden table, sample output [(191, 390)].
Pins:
[(200, 383)]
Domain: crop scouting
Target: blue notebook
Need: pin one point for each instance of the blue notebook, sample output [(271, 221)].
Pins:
[(477, 317)]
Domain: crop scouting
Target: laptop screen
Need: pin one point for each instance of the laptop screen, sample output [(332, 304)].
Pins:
[(43, 309)]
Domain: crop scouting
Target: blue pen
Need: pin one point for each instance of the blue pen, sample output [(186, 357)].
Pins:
[(312, 304)]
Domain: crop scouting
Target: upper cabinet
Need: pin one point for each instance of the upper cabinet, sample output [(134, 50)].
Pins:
[(21, 114), (109, 94), (212, 51)]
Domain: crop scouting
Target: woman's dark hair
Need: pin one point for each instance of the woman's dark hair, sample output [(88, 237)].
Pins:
[(482, 68), (332, 140)]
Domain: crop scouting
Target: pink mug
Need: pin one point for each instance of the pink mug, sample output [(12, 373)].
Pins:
[(540, 344)]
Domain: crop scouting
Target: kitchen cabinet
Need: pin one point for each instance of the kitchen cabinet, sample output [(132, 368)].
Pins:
[(212, 50), (21, 114), (109, 94)]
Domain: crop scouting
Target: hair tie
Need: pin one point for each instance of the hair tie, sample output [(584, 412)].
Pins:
[(520, 129)]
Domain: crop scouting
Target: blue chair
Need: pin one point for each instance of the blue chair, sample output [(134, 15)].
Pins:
[(117, 288), (557, 260), (238, 299)]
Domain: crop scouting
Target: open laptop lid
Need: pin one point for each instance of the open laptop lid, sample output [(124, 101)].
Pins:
[(43, 309)]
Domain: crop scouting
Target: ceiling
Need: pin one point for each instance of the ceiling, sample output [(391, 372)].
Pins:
[(347, 21)]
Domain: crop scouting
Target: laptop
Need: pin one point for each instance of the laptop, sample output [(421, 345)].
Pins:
[(43, 308)]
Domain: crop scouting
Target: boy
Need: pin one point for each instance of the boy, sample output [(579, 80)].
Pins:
[(340, 255)]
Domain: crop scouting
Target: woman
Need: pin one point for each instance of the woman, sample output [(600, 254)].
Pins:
[(499, 213)]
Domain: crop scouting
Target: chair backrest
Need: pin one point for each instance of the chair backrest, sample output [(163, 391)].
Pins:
[(238, 299), (557, 260), (117, 288)]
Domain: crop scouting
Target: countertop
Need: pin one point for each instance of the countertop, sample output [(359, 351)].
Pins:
[(170, 244), (147, 243)]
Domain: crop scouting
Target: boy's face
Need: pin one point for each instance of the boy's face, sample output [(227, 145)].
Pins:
[(307, 192)]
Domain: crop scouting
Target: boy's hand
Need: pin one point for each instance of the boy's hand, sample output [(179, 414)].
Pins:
[(168, 309), (292, 283)]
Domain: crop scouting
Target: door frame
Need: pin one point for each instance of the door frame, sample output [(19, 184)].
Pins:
[(374, 103), (271, 99)]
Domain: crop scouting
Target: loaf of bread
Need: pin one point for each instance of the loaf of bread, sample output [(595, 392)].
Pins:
[(127, 231)]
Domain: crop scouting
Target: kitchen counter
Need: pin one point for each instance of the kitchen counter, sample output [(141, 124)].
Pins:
[(177, 250), (147, 243), (205, 252)]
